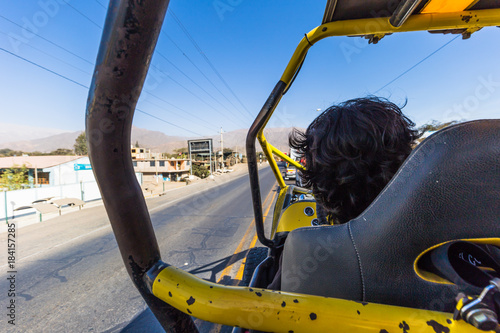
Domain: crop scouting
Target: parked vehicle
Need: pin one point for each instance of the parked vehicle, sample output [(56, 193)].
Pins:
[(290, 172)]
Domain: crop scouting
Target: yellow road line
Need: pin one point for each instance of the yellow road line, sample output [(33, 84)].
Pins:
[(218, 327), (243, 240), (239, 274)]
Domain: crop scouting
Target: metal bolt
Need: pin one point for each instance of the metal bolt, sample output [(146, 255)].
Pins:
[(484, 319)]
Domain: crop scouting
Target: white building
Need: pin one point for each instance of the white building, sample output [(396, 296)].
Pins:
[(51, 170)]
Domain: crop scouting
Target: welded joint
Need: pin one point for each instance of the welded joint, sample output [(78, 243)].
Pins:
[(467, 33), (150, 276)]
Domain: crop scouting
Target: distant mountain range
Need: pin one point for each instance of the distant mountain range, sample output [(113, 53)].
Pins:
[(157, 141), (14, 132)]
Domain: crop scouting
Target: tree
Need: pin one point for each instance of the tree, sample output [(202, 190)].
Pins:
[(14, 178), (81, 145), (435, 125), (5, 152), (181, 150), (137, 144), (227, 152), (61, 151), (200, 171), (10, 152)]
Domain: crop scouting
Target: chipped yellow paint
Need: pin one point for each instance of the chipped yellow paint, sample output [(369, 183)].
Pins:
[(374, 26), (268, 310), (447, 6)]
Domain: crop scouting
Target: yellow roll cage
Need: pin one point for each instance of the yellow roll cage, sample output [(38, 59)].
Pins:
[(470, 21)]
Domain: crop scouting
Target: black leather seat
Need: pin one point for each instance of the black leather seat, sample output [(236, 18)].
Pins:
[(447, 189)]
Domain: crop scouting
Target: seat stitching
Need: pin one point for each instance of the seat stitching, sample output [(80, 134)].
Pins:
[(417, 152), (359, 261)]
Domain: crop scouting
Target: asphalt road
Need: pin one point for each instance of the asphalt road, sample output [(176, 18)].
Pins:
[(70, 276)]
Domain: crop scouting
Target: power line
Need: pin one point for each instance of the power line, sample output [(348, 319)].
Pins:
[(196, 84), (201, 72), (59, 46), (82, 14), (418, 63), (208, 61), (79, 12), (45, 39), (45, 68), (101, 4), (50, 55), (163, 120), (186, 112), (87, 88), (202, 100)]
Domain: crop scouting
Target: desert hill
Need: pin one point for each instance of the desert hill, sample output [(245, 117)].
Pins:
[(157, 141)]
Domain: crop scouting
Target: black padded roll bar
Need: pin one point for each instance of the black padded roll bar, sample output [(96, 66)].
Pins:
[(128, 41), (253, 172)]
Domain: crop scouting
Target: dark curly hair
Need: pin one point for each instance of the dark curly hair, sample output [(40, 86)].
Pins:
[(352, 150)]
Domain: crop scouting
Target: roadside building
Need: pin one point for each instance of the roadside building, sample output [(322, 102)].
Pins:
[(141, 153), (154, 167), (51, 170)]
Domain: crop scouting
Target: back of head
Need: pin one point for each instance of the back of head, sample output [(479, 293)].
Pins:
[(352, 150)]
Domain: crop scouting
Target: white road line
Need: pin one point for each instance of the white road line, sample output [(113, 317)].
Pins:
[(61, 244)]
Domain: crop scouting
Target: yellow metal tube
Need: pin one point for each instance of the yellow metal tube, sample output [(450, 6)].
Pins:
[(274, 311), (269, 150), (287, 158), (380, 26), (266, 148)]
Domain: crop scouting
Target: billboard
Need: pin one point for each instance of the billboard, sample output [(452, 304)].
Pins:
[(200, 146)]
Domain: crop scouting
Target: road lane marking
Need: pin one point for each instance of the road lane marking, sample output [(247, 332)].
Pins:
[(218, 327), (239, 274), (61, 244), (244, 239)]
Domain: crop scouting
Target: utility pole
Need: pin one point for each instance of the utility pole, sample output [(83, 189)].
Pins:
[(190, 158), (6, 212), (222, 148)]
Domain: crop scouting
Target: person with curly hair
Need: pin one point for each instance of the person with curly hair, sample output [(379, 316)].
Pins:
[(352, 150)]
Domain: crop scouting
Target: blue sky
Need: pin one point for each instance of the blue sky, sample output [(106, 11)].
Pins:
[(249, 44)]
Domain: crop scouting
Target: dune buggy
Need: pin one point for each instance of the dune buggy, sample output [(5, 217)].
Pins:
[(395, 268)]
